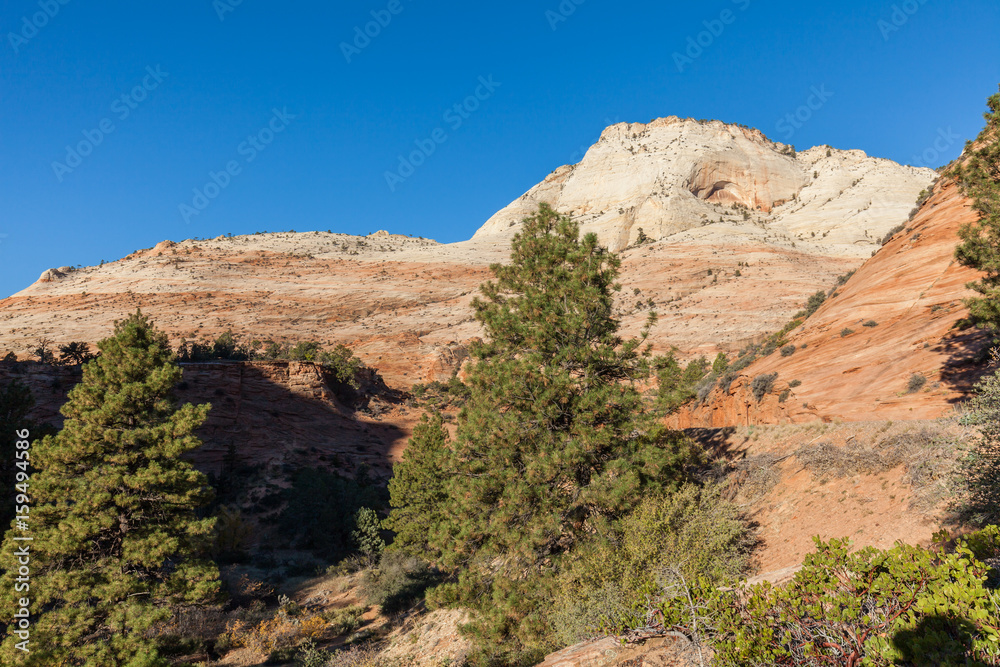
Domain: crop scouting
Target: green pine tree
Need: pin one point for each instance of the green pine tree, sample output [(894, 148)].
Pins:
[(117, 545), (553, 446), (979, 176)]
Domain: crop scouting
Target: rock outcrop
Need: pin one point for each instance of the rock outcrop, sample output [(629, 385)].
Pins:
[(894, 320), (677, 174)]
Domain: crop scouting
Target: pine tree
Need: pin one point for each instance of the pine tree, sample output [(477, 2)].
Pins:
[(554, 443), (117, 544), (979, 177)]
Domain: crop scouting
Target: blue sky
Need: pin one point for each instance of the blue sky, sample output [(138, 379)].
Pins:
[(300, 130)]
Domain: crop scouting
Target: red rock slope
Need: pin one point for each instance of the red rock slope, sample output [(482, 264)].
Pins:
[(913, 290)]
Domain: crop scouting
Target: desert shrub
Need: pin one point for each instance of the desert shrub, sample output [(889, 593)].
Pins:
[(320, 510), (756, 476), (788, 350), (827, 460), (705, 387), (892, 232), (905, 605), (870, 324), (842, 280), (980, 502), (845, 332), (916, 383), (784, 395), (762, 385), (641, 238), (795, 383), (344, 621), (812, 305), (397, 581), (693, 529), (277, 633)]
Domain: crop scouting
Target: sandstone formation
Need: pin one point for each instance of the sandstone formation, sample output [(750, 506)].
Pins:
[(894, 319), (677, 174), (270, 414)]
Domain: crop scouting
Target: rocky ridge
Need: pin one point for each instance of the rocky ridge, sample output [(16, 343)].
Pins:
[(674, 174)]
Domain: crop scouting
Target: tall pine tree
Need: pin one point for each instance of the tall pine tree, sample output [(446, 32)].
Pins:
[(553, 446), (978, 174), (117, 544)]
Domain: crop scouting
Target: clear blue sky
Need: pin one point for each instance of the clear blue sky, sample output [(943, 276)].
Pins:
[(224, 67)]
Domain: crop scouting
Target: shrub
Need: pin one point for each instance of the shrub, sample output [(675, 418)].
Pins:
[(795, 383), (274, 634), (762, 385), (905, 605), (870, 324), (344, 621), (980, 503), (784, 395), (916, 383), (788, 350), (892, 232), (845, 332), (397, 581), (813, 304), (693, 529)]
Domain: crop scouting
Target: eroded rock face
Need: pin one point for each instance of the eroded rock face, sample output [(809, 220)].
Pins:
[(676, 174), (893, 320)]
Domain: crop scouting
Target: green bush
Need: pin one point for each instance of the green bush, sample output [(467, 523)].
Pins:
[(397, 581), (762, 385), (788, 350), (694, 530), (845, 332), (916, 383), (795, 383), (906, 605), (870, 324)]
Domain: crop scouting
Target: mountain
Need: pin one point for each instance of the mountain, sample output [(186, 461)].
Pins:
[(719, 276), (675, 175)]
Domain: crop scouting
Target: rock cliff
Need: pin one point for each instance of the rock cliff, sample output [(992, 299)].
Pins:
[(675, 174)]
